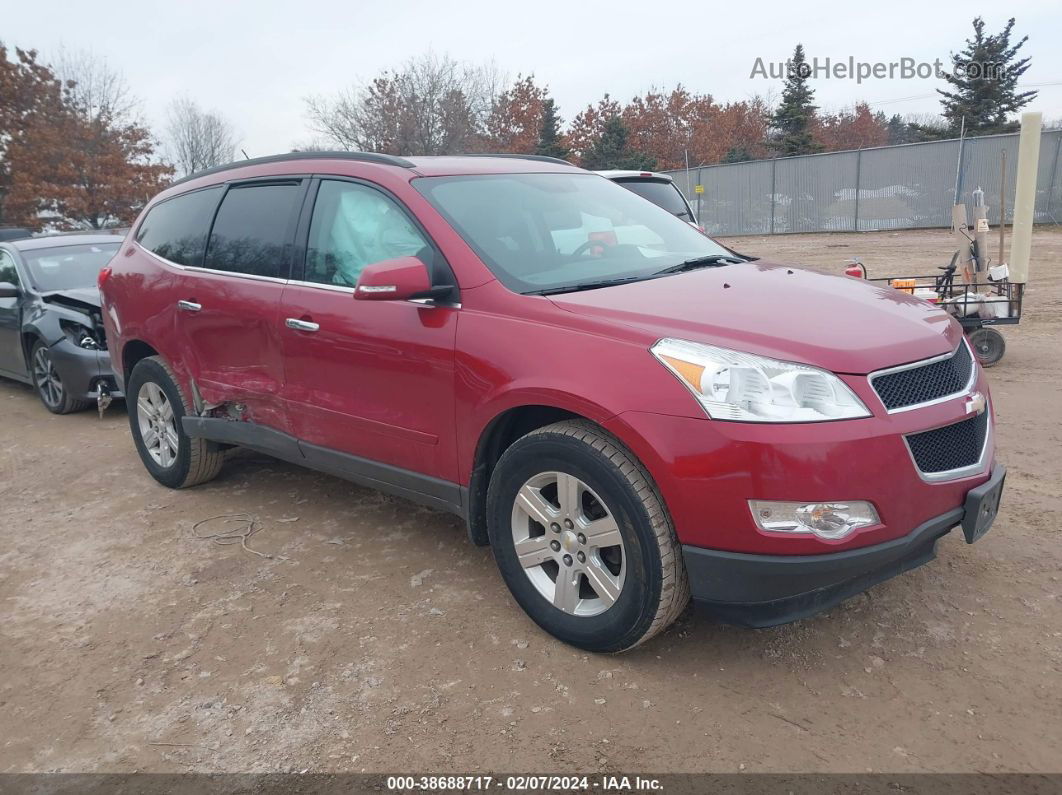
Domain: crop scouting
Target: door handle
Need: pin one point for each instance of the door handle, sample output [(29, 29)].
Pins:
[(301, 325), (189, 306)]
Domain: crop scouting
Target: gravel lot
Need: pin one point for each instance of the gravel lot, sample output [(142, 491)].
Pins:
[(375, 637)]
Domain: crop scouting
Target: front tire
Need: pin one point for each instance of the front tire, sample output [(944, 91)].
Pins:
[(583, 539), (49, 384), (156, 406)]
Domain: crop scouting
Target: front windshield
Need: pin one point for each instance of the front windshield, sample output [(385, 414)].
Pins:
[(68, 267), (547, 232)]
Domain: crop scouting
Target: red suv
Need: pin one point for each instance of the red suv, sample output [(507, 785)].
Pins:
[(626, 411)]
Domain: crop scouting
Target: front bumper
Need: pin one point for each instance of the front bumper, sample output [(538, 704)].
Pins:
[(765, 590), (84, 371), (707, 471)]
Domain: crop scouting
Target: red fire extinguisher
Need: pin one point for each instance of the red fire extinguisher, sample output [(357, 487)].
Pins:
[(856, 270)]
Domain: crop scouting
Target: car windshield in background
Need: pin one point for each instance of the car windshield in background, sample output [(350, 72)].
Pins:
[(661, 193), (68, 267), (551, 232)]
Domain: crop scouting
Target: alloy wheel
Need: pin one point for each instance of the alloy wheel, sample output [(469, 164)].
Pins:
[(568, 544), (158, 428), (47, 378)]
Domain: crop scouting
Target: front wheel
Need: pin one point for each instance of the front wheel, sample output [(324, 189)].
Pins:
[(49, 384), (989, 346), (583, 540)]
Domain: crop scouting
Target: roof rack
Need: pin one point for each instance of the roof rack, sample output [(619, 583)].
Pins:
[(541, 158), (365, 157)]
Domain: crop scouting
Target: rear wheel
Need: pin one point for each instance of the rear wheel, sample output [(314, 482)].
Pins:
[(156, 408), (583, 540), (49, 384), (989, 345)]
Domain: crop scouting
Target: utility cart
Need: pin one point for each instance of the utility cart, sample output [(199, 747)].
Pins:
[(976, 305)]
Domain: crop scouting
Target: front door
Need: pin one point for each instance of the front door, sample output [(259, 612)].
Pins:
[(11, 354), (228, 310), (370, 379)]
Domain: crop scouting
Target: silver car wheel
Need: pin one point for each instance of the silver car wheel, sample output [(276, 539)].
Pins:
[(47, 378), (158, 428), (569, 544)]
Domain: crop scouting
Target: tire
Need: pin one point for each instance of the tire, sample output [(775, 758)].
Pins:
[(195, 460), (646, 587), (49, 384), (989, 346)]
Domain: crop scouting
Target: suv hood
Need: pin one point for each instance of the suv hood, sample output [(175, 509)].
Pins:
[(835, 322)]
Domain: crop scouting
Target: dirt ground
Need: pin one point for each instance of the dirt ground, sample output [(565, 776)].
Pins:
[(376, 638)]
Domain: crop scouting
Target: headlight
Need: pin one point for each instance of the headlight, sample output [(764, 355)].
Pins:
[(732, 385), (81, 335)]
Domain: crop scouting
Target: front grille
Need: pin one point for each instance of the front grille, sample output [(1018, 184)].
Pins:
[(929, 382), (951, 447)]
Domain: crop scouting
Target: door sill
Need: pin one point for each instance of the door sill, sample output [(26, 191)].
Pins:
[(415, 486)]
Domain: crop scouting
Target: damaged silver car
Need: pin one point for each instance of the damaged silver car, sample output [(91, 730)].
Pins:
[(51, 331)]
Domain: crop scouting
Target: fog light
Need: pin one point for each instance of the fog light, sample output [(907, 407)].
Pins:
[(828, 520)]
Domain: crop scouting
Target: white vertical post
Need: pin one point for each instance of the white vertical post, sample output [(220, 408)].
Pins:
[(1025, 196)]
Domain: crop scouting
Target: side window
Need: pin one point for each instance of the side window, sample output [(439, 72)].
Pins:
[(177, 228), (254, 228), (8, 273), (354, 226)]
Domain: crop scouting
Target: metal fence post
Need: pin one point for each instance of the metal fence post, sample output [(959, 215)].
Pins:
[(859, 168), (1054, 175), (774, 166), (700, 196)]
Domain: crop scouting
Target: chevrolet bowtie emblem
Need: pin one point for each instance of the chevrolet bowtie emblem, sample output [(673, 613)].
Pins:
[(976, 403)]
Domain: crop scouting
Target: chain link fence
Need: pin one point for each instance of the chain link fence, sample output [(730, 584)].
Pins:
[(910, 186)]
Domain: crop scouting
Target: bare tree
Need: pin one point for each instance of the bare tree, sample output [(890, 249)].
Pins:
[(431, 105), (97, 92), (315, 144), (197, 139)]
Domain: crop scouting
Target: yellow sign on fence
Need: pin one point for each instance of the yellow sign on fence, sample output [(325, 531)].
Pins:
[(698, 188)]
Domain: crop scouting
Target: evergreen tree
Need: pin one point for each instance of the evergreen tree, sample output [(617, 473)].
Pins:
[(791, 123), (984, 82), (897, 130), (737, 154), (550, 143), (613, 150)]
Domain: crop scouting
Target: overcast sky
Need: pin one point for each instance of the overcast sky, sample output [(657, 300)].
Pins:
[(256, 61)]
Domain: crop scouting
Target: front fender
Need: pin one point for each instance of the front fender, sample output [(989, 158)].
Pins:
[(585, 374)]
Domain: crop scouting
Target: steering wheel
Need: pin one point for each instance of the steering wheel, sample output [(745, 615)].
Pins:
[(588, 245)]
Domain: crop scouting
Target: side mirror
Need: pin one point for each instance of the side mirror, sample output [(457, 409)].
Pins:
[(396, 279), (8, 290)]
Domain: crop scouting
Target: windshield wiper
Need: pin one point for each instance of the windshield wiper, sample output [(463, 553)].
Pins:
[(574, 288), (708, 261)]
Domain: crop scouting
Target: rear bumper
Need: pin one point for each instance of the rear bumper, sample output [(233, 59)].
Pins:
[(765, 590)]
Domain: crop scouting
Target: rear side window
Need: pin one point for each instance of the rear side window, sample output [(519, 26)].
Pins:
[(177, 228), (662, 194), (254, 229)]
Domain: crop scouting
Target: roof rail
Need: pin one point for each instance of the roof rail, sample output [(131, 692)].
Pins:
[(365, 157), (542, 158)]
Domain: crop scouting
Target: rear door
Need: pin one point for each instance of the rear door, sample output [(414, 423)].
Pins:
[(369, 379), (11, 355), (228, 307)]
